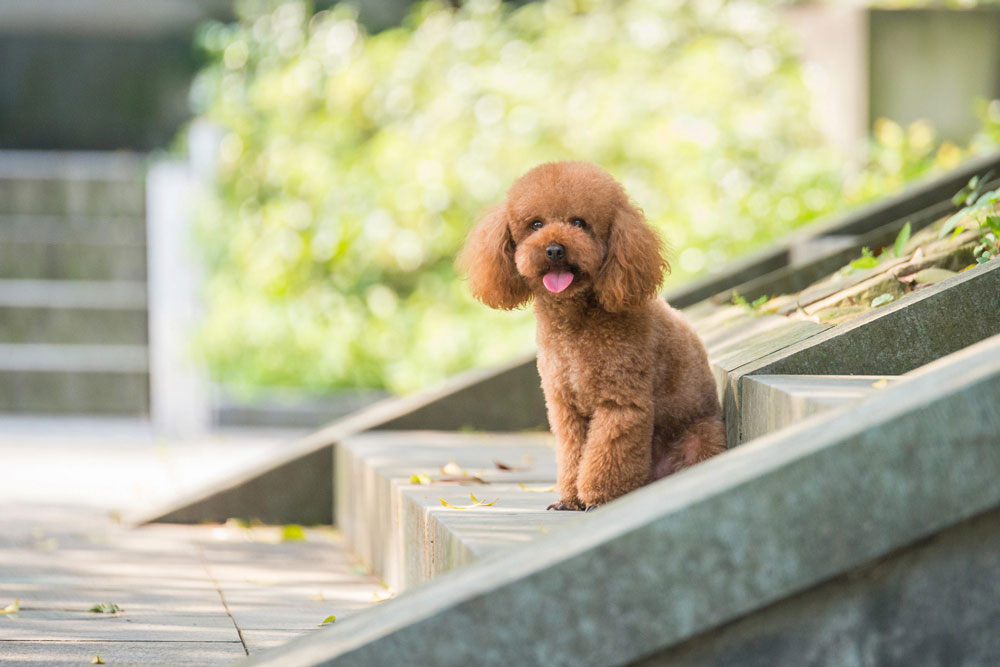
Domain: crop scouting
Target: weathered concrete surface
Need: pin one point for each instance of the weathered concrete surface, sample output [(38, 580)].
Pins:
[(733, 535), (299, 490), (401, 529), (296, 484), (744, 343), (901, 336), (934, 603), (186, 593), (890, 340), (772, 402)]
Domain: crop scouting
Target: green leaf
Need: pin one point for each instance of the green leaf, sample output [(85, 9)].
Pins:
[(882, 299), (328, 620), (993, 222), (866, 261), (759, 301), (951, 223), (105, 608), (902, 239), (293, 533)]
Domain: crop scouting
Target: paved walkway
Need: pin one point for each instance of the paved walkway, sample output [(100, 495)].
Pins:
[(187, 594)]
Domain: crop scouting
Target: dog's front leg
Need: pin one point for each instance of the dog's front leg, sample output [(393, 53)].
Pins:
[(570, 429), (618, 455)]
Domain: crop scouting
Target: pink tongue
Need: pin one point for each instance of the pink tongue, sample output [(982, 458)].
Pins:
[(557, 281)]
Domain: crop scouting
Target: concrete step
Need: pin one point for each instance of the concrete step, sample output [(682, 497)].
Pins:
[(772, 402), (868, 530), (56, 183), (68, 259), (126, 295), (113, 326), (402, 530), (72, 248), (74, 379)]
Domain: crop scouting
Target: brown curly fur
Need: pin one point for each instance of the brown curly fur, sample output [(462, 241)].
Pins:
[(629, 391)]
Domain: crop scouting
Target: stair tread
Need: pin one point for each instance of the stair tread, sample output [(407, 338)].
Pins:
[(71, 165), (40, 357), (72, 294), (517, 515)]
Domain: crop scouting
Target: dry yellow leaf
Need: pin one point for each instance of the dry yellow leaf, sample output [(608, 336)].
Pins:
[(97, 660), (318, 595), (476, 502), (881, 384), (420, 478), (536, 489), (12, 608)]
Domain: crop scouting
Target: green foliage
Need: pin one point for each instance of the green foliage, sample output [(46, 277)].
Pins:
[(740, 300), (867, 261), (353, 166), (899, 247)]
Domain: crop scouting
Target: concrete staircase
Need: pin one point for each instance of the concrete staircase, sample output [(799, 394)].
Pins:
[(855, 521), (73, 321)]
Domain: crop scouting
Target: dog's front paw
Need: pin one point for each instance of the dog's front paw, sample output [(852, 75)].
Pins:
[(566, 506)]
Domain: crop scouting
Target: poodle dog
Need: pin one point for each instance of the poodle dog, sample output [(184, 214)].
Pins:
[(627, 384)]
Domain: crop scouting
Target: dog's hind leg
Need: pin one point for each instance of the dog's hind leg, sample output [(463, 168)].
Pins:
[(702, 440)]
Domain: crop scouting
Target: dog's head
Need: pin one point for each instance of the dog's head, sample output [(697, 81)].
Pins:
[(565, 228)]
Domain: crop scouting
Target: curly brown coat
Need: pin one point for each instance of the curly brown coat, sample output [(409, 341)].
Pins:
[(627, 384)]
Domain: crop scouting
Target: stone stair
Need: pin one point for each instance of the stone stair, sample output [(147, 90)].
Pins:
[(73, 319), (855, 517)]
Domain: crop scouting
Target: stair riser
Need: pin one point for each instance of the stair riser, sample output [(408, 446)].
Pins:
[(79, 326), (74, 393), (31, 196), (39, 260)]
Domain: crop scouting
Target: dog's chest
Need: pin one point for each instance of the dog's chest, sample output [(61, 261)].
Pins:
[(577, 375)]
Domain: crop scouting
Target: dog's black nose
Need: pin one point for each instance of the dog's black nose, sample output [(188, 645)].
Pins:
[(555, 252)]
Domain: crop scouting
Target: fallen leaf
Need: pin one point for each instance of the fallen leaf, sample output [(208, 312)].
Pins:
[(932, 275), (318, 595), (420, 478), (451, 468), (536, 489), (880, 384), (97, 660), (293, 533), (105, 608), (475, 503), (12, 608), (543, 529), (48, 544), (329, 619), (882, 299), (382, 596), (507, 467), (464, 479)]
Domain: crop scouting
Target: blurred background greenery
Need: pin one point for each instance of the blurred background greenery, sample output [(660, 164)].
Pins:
[(352, 165)]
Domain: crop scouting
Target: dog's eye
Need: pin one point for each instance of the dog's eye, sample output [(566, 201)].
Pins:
[(579, 222), (536, 225)]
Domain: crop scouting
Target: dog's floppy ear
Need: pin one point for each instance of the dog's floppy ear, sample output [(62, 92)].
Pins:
[(634, 266), (488, 261)]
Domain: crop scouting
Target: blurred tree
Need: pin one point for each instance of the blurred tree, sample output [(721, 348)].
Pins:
[(353, 165)]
